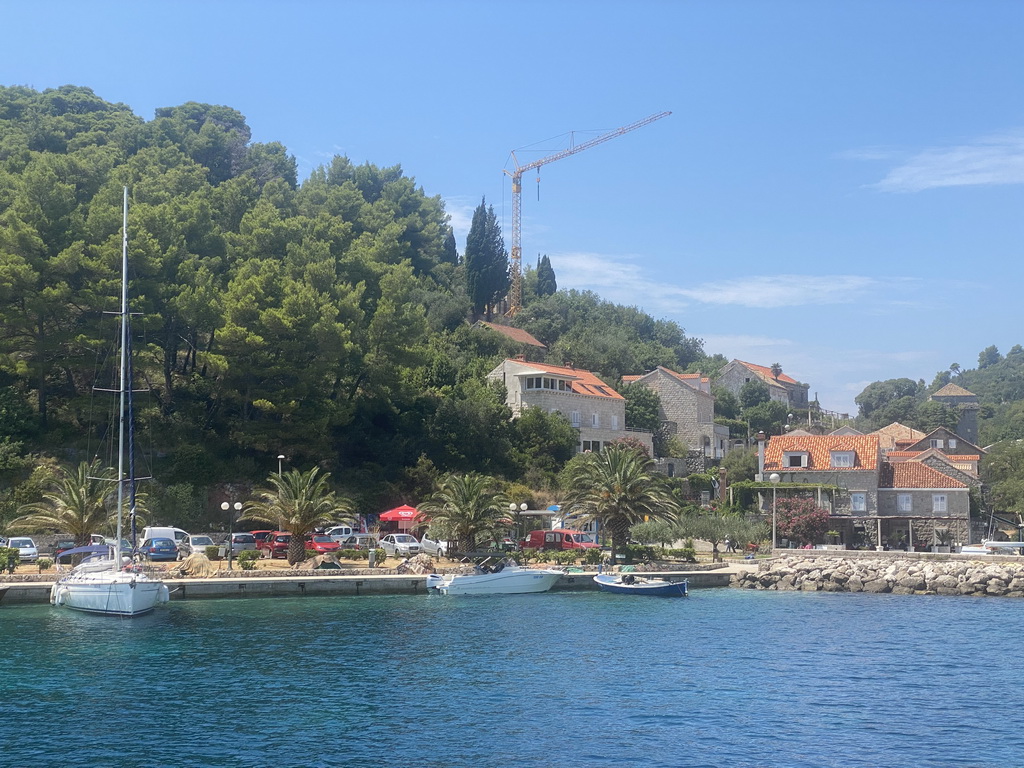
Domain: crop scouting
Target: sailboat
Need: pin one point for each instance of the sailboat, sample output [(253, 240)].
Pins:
[(111, 584)]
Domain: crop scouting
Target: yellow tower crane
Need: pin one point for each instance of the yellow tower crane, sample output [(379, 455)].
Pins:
[(515, 293)]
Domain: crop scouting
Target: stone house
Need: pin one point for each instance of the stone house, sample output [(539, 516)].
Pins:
[(782, 388), (596, 410), (871, 498), (687, 409), (961, 453), (897, 436), (966, 404)]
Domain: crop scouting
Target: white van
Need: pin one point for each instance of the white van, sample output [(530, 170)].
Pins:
[(340, 532), (162, 532)]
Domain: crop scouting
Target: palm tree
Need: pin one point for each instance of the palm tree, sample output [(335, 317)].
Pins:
[(75, 503), (298, 502), (618, 488), (468, 508)]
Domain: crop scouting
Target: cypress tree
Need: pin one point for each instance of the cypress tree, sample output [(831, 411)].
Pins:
[(486, 260), (546, 283)]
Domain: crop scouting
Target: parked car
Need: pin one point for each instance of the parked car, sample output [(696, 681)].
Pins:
[(260, 536), (240, 542), (159, 549), (195, 544), (360, 541), (400, 545), (322, 543), (276, 544), (62, 544), (27, 551), (339, 532), (433, 548)]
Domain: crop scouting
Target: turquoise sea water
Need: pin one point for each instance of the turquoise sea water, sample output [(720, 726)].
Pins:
[(722, 678)]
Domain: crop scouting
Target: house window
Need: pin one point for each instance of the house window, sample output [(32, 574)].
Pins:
[(903, 502), (591, 445), (938, 502), (794, 459), (858, 502), (563, 385), (952, 442), (936, 443), (595, 420), (574, 418), (615, 422), (533, 382), (842, 458)]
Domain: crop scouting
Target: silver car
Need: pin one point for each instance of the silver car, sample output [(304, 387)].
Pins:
[(26, 548), (434, 548), (194, 545), (400, 545)]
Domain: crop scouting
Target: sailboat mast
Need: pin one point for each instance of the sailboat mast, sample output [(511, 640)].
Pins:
[(123, 374)]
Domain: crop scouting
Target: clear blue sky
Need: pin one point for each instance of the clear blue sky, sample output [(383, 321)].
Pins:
[(838, 189)]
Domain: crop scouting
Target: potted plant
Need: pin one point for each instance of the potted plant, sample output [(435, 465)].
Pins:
[(943, 538)]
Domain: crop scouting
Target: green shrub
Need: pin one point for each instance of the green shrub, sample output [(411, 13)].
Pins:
[(310, 554), (44, 563), (213, 552), (9, 559), (247, 559), (637, 553), (593, 556)]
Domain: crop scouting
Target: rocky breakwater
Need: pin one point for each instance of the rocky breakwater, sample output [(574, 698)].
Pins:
[(897, 576)]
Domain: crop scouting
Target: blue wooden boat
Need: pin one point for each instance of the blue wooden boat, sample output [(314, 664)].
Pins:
[(632, 584)]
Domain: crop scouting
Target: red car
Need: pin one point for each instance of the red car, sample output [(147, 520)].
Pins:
[(276, 544), (322, 544)]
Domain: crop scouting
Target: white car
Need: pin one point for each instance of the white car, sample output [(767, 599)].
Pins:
[(26, 548), (433, 548), (400, 545)]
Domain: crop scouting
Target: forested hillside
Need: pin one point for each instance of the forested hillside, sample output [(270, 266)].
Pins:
[(325, 320)]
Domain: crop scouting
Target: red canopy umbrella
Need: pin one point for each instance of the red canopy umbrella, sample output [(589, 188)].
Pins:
[(403, 515)]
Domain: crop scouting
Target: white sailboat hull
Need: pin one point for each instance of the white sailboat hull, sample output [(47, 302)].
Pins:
[(513, 580), (109, 592)]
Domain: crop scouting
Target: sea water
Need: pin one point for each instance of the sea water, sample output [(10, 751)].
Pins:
[(721, 678)]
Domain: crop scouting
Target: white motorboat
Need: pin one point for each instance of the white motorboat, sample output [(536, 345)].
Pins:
[(506, 577), (110, 584)]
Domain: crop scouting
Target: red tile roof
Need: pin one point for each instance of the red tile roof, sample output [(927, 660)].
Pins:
[(819, 449), (913, 474), (581, 382), (516, 334), (953, 390), (765, 372)]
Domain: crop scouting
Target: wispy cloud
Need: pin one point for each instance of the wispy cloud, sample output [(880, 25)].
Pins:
[(995, 159), (623, 279), (460, 210)]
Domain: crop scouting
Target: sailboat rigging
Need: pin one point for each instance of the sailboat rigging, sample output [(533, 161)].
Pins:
[(108, 584)]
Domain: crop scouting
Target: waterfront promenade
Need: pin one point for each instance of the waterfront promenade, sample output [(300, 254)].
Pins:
[(247, 584)]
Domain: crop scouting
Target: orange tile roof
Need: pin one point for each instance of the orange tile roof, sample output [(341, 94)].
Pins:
[(913, 474), (581, 382), (516, 334), (819, 449), (953, 390), (688, 378), (765, 372), (903, 454), (900, 432)]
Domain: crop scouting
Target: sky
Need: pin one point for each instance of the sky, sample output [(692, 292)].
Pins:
[(838, 188)]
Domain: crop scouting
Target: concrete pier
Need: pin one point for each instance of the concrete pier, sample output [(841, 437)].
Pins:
[(29, 592)]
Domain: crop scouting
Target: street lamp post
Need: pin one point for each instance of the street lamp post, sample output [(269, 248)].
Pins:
[(280, 458), (227, 507), (516, 512), (774, 479)]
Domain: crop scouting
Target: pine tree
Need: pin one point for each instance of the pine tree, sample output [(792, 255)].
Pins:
[(450, 254), (546, 283), (486, 260)]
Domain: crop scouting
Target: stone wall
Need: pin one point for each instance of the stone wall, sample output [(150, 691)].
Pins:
[(1002, 577)]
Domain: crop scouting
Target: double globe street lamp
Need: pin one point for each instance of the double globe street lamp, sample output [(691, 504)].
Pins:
[(228, 507)]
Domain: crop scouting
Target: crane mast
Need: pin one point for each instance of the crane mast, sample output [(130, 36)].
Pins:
[(515, 293)]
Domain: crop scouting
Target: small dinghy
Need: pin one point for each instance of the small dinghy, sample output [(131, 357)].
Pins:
[(631, 584)]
